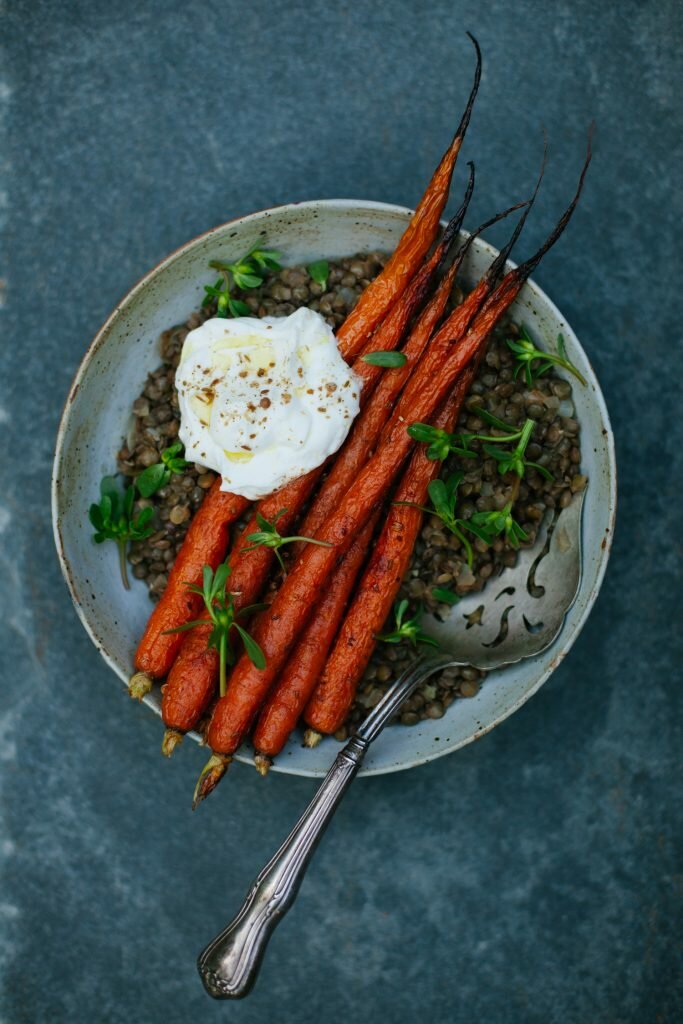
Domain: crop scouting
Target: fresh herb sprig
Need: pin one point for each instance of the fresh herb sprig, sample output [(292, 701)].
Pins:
[(515, 461), (245, 273), (535, 362), (443, 495), (407, 629), (319, 272), (489, 525), (157, 476), (113, 519), (440, 444), (222, 617), (269, 536), (486, 526)]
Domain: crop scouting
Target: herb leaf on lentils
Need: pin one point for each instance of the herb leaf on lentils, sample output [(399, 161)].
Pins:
[(489, 525), (445, 595), (113, 519), (248, 272), (444, 498), (157, 476), (407, 629), (535, 362), (441, 444), (319, 272)]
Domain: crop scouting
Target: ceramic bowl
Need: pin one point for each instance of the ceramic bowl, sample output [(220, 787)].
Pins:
[(113, 372)]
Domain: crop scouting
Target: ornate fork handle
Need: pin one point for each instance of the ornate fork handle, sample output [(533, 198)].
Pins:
[(229, 964)]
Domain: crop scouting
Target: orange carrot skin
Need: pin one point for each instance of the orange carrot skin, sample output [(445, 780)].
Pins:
[(192, 679), (369, 425), (250, 570), (284, 706), (280, 625), (333, 696), (205, 544), (383, 292), (191, 684)]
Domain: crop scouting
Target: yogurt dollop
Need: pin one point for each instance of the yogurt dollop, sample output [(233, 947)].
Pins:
[(263, 401)]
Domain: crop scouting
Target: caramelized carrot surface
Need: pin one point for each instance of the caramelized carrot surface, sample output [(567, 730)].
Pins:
[(301, 673), (205, 543), (380, 583), (417, 239)]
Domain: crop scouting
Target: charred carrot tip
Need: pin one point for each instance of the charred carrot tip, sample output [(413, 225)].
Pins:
[(140, 685), (453, 227), (524, 270), (263, 764), (312, 738), (172, 739), (462, 127), (209, 777)]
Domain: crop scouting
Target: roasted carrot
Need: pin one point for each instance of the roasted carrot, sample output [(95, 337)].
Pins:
[(157, 649), (399, 534), (390, 332), (383, 292), (369, 424), (282, 623), (374, 597), (382, 578), (288, 699), (205, 544), (191, 682)]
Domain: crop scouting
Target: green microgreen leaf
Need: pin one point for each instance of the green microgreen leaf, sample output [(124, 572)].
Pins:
[(319, 271), (153, 479), (536, 362), (445, 596), (491, 524), (157, 476), (238, 308), (440, 444), (386, 359), (220, 607), (248, 272), (113, 519), (269, 536), (254, 652), (407, 629)]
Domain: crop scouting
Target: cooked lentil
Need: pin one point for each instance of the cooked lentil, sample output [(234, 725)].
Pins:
[(438, 559)]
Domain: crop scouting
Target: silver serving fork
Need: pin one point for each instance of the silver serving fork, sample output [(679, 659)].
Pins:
[(519, 615)]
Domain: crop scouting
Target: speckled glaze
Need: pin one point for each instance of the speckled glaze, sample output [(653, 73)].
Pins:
[(113, 370)]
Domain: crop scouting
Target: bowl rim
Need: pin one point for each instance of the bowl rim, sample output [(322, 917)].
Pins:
[(99, 337)]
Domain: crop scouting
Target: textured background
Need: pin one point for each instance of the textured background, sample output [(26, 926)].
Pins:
[(533, 876)]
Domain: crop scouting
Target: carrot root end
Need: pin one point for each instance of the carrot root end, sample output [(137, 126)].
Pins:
[(263, 764), (140, 685), (312, 738), (172, 739)]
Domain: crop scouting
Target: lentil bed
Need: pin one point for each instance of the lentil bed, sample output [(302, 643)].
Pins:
[(438, 560)]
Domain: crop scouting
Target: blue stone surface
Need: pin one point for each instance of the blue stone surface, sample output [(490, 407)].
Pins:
[(533, 877)]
